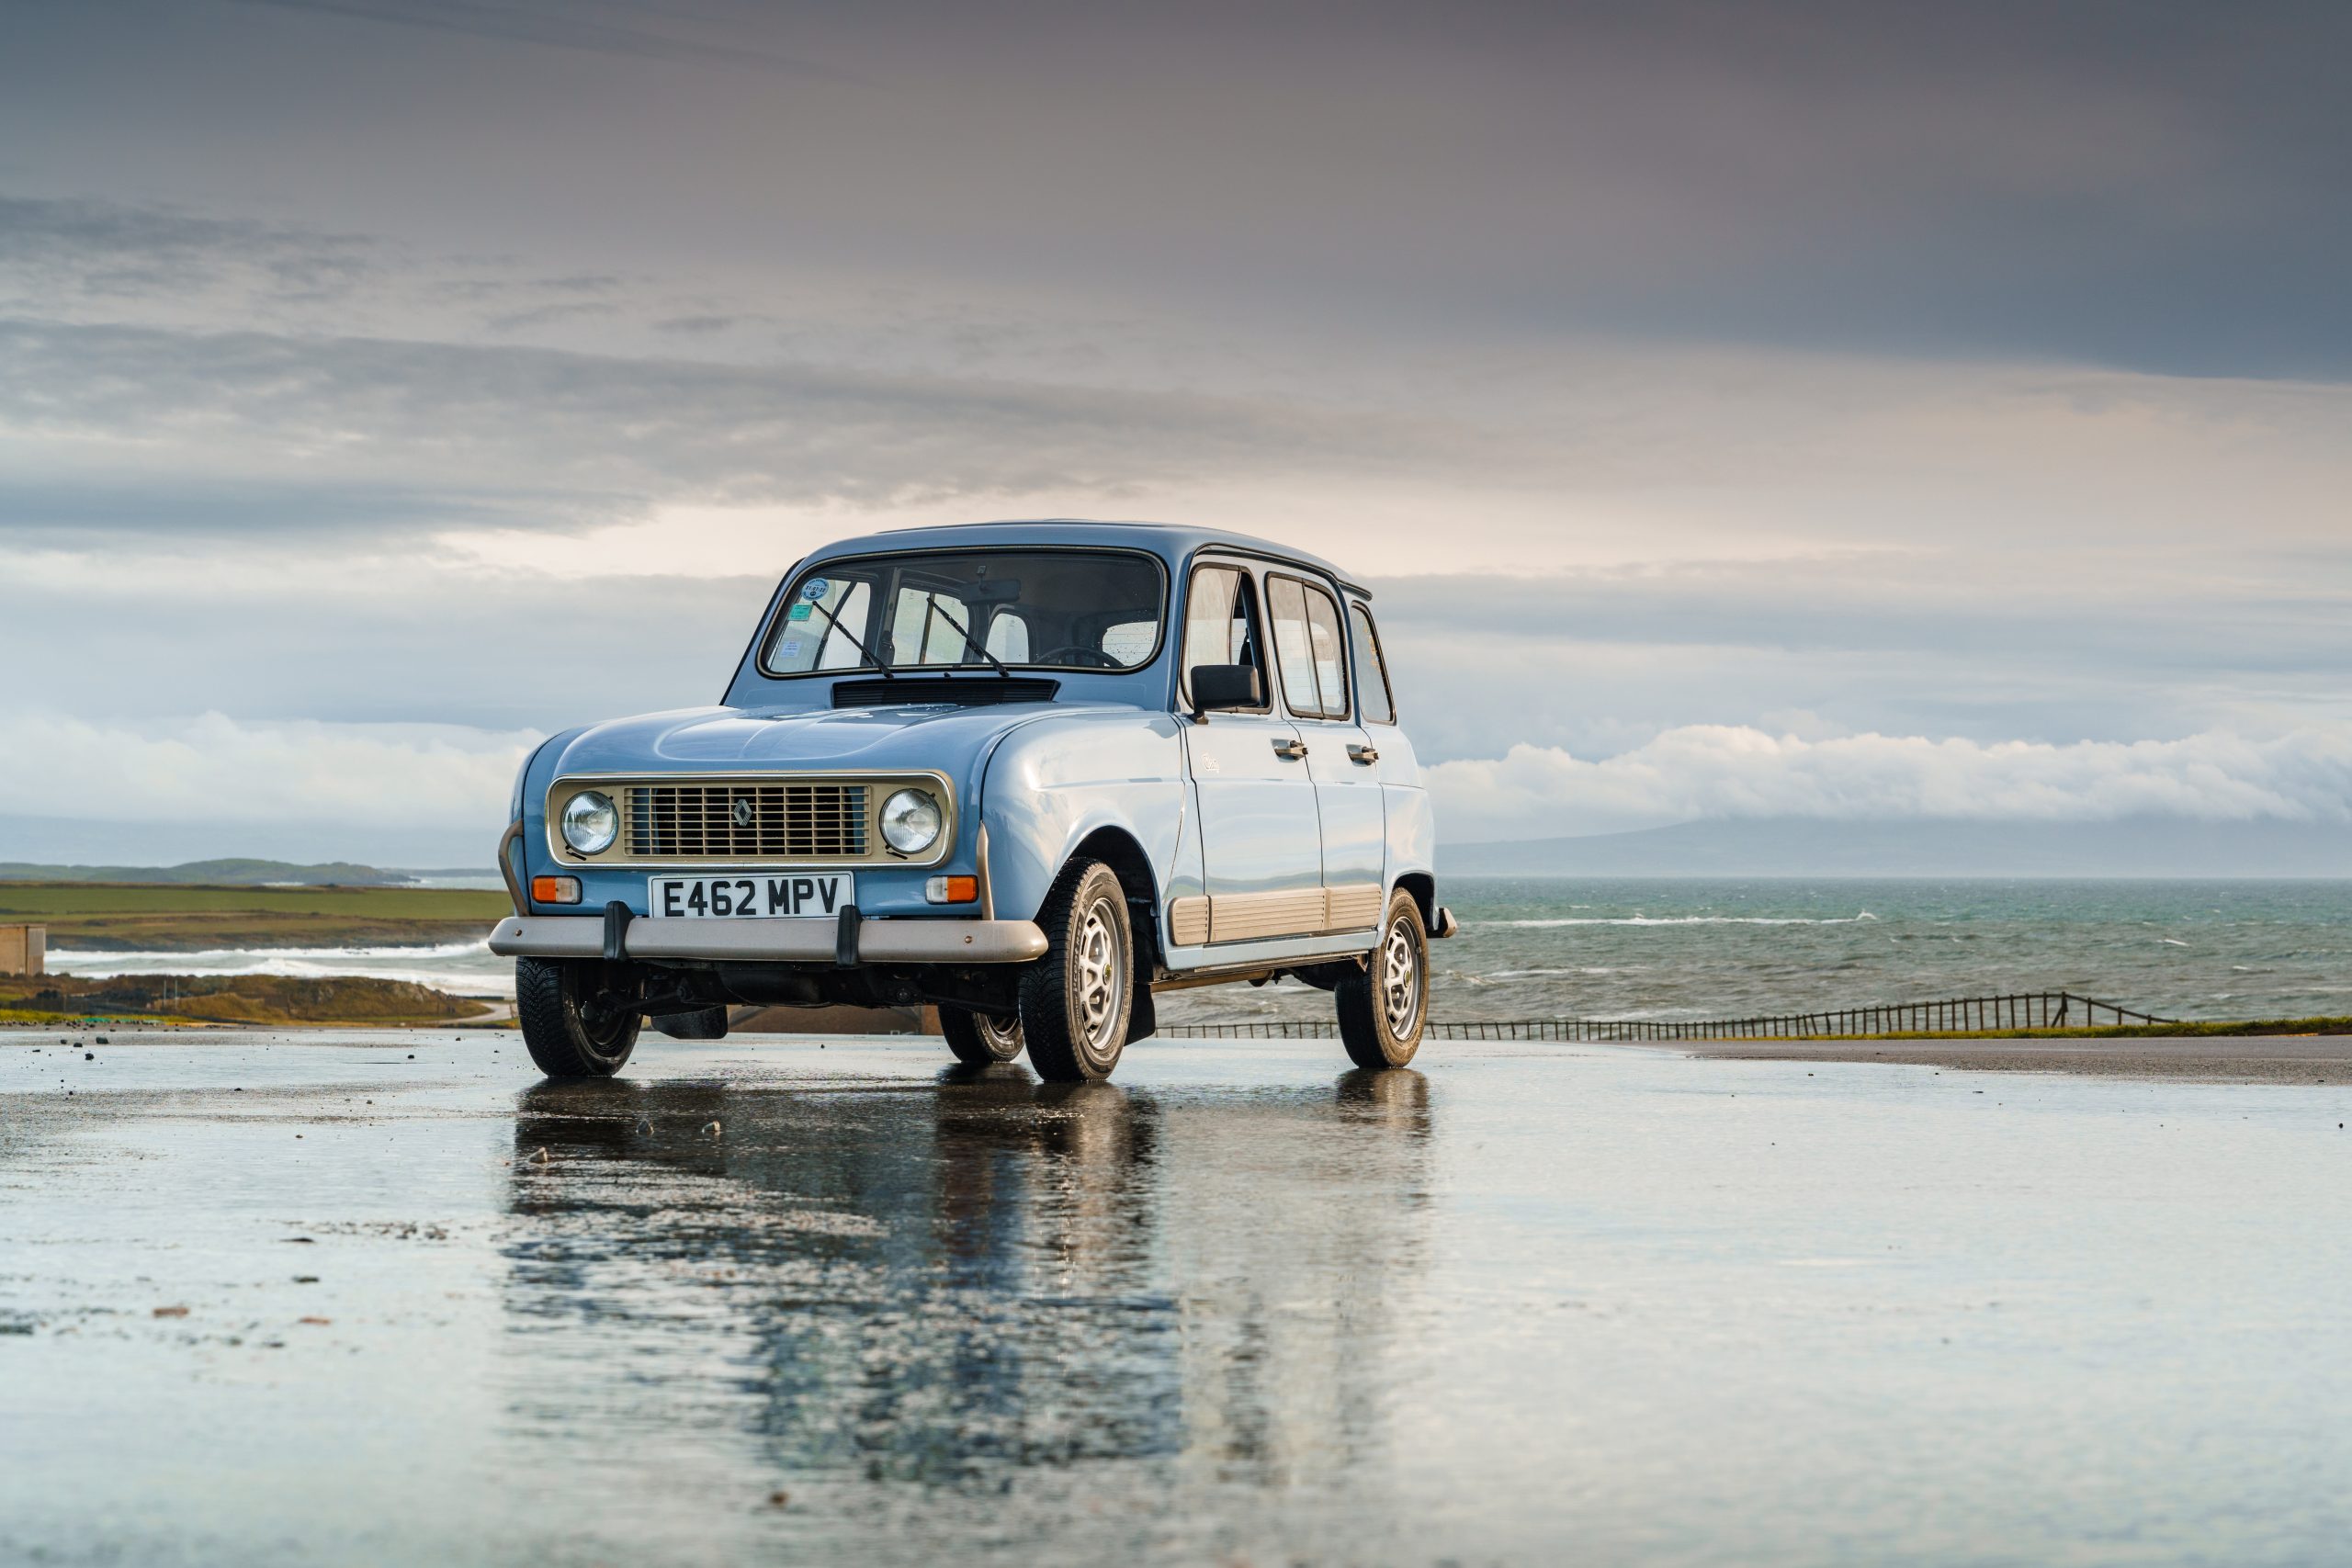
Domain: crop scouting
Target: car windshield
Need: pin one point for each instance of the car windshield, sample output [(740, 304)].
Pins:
[(931, 609)]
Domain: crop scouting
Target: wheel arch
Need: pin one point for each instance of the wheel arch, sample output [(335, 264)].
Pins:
[(1422, 885), (1120, 850)]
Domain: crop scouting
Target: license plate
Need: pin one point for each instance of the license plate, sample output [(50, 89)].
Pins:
[(749, 898)]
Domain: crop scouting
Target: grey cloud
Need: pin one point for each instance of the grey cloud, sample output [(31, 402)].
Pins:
[(496, 651), (525, 421), (1598, 661), (559, 27), (2156, 185), (108, 249)]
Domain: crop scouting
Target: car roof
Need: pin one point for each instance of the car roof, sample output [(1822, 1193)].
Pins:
[(1173, 542)]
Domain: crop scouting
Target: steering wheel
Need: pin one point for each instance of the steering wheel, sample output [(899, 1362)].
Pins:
[(1078, 654)]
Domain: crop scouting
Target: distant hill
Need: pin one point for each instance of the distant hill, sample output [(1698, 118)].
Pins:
[(213, 873), (2142, 847)]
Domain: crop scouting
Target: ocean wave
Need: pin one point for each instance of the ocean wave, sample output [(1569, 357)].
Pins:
[(466, 966), (1690, 921), (224, 954)]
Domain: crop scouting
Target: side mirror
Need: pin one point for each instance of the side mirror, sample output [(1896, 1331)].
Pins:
[(1224, 686)]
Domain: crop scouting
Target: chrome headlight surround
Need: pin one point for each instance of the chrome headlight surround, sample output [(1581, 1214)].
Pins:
[(912, 821), (592, 821)]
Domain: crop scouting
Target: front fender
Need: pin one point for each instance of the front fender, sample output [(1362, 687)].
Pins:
[(1053, 783)]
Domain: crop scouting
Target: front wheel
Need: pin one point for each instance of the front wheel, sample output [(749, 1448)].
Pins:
[(1075, 1001), (568, 1024), (1383, 1007), (979, 1039)]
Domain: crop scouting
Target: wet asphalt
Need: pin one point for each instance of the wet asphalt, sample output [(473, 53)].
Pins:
[(390, 1298)]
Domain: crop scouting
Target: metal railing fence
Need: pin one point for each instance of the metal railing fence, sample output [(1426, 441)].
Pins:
[(1958, 1015)]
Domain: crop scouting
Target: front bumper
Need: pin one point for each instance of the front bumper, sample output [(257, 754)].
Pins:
[(789, 941)]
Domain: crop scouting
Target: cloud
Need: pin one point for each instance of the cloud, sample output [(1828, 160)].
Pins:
[(558, 28), (374, 412), (1734, 770), (117, 252), (369, 779)]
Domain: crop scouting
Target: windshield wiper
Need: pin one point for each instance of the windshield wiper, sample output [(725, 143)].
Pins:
[(872, 658), (932, 608)]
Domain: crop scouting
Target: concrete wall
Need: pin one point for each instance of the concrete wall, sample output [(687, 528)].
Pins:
[(24, 950)]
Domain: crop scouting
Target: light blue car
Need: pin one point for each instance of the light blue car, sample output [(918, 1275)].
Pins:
[(1032, 773)]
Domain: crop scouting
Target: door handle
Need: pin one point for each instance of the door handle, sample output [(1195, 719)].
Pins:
[(1367, 755), (1293, 749)]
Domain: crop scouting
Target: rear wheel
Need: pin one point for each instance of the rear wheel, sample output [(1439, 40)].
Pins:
[(1075, 1001), (568, 1025), (1383, 1007), (978, 1038)]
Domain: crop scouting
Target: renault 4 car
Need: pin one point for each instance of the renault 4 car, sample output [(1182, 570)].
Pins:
[(1033, 773)]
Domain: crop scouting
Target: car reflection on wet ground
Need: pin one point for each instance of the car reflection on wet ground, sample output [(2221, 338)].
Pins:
[(388, 1298)]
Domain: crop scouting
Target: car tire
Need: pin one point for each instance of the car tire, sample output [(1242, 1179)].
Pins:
[(1075, 1001), (703, 1024), (566, 1037), (1384, 1005), (979, 1039)]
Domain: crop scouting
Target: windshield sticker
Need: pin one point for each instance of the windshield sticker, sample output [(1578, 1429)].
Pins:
[(791, 646), (799, 612), (814, 588)]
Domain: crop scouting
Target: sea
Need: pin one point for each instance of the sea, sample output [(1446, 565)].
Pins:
[(1690, 950)]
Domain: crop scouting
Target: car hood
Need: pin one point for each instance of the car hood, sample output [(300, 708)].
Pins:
[(915, 736)]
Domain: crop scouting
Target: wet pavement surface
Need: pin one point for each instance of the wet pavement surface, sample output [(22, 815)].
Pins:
[(2258, 1058), (388, 1297)]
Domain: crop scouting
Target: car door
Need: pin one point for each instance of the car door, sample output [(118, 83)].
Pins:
[(1310, 646), (1260, 839)]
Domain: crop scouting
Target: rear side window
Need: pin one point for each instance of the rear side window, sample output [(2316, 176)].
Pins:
[(1308, 645), (1372, 691), (1221, 621)]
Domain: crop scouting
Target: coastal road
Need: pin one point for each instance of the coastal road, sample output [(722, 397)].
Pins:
[(388, 1297)]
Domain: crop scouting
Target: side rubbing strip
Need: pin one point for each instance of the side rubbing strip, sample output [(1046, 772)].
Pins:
[(1188, 921)]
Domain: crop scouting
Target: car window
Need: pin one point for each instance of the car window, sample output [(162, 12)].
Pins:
[(1330, 652), (1373, 690), (1058, 609), (1308, 647), (1221, 620), (923, 628), (1286, 606), (808, 641), (1130, 642), (1007, 637)]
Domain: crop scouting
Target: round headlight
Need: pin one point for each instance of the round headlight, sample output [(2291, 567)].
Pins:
[(911, 821), (591, 822)]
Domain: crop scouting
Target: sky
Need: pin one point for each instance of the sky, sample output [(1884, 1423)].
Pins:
[(1824, 409)]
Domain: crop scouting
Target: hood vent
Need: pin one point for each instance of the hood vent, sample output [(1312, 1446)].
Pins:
[(971, 691)]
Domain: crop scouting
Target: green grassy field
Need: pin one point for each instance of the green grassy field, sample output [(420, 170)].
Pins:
[(60, 1000), (118, 917)]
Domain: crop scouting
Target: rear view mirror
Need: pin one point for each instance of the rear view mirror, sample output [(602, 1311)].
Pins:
[(1226, 686)]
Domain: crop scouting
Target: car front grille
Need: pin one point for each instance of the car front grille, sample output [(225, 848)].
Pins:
[(744, 821)]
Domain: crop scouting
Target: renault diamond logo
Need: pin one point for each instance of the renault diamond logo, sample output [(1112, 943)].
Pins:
[(743, 813)]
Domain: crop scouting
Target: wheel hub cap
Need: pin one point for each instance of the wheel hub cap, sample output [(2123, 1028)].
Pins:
[(1400, 981), (1102, 978)]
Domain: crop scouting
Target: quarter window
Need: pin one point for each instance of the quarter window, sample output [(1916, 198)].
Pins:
[(1373, 690)]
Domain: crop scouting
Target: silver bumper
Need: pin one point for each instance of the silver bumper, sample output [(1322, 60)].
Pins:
[(789, 941)]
